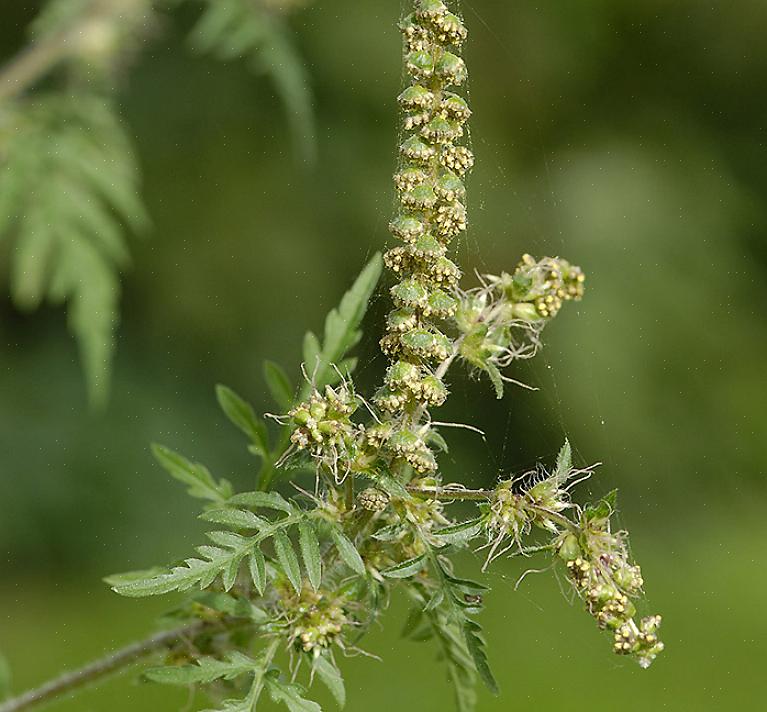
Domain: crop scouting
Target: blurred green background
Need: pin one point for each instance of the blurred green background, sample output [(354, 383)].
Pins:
[(628, 137)]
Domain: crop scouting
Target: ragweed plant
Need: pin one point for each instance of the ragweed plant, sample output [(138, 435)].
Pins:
[(289, 582), (69, 177)]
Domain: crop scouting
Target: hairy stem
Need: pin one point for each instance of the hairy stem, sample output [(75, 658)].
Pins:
[(98, 669), (445, 494)]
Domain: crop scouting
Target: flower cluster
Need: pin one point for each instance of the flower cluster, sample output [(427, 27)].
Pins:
[(597, 559), (432, 212), (599, 568), (316, 619), (323, 427), (501, 321), (535, 499)]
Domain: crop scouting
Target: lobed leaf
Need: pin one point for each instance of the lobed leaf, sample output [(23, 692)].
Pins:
[(406, 569), (279, 384), (242, 415), (331, 678), (199, 480), (347, 551), (342, 331), (206, 670), (286, 556), (265, 500), (290, 694), (310, 552)]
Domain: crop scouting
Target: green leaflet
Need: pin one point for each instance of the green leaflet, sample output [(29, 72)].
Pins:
[(564, 462), (310, 552), (214, 561), (72, 155), (476, 646), (406, 569), (331, 678), (288, 560), (347, 551), (267, 500), (242, 415), (201, 483), (279, 384), (461, 668), (460, 534), (290, 694), (206, 670), (235, 518), (342, 331), (239, 29)]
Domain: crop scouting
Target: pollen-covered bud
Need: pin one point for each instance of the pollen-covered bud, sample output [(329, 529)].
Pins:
[(455, 107), (407, 227), (629, 578), (403, 375), (413, 121), (392, 401), (440, 304), (401, 320), (579, 570), (411, 447), (430, 10), (640, 641), (373, 500), (377, 434), (420, 63), (427, 247), (451, 29), (409, 178), (451, 68), (451, 219), (449, 187), (441, 130), (545, 284), (421, 198), (390, 344), (424, 343), (445, 271), (410, 293), (456, 158), (397, 259), (414, 149), (433, 391), (416, 98)]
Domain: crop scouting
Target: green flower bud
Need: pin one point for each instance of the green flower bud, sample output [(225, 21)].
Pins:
[(569, 548), (415, 149), (451, 68), (407, 227), (416, 98), (420, 64), (410, 293), (421, 198)]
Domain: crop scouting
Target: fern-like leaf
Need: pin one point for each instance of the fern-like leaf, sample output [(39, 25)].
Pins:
[(69, 183), (342, 332), (246, 30)]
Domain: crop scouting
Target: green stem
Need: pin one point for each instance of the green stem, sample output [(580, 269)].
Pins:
[(260, 676), (99, 669), (450, 495), (34, 62)]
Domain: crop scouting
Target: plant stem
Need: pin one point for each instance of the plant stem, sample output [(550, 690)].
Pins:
[(98, 669), (448, 495)]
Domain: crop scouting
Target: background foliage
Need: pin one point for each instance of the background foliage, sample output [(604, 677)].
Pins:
[(628, 136)]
